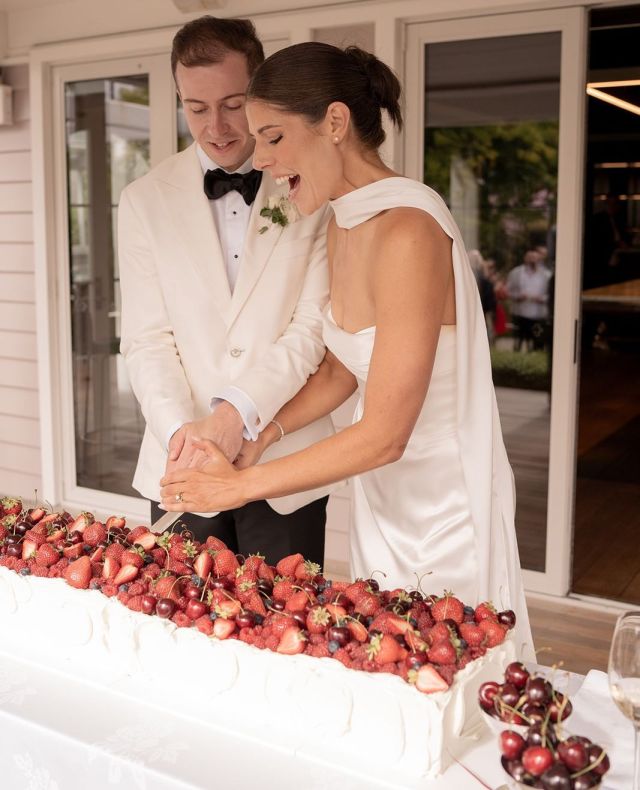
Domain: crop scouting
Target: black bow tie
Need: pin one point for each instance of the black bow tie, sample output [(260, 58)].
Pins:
[(218, 182)]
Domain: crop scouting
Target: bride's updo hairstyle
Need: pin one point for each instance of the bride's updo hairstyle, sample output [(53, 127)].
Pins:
[(304, 79)]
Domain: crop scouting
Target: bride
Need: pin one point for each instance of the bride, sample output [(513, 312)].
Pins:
[(432, 486)]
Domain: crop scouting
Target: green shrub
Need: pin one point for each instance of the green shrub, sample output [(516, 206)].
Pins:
[(521, 369)]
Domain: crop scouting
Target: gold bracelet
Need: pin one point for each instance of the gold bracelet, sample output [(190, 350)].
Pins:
[(277, 424)]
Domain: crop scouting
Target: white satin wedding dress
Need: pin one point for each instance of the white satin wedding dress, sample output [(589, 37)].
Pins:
[(446, 508)]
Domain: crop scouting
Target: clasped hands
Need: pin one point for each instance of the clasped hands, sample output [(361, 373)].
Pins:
[(205, 455)]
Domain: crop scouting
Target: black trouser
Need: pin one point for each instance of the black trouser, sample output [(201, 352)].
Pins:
[(256, 528)]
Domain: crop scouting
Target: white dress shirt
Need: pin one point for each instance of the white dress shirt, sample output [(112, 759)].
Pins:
[(231, 217)]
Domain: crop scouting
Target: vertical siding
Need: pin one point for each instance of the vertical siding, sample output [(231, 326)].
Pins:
[(19, 417)]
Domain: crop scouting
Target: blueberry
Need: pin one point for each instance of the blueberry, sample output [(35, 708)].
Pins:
[(413, 622), (213, 616), (86, 547), (322, 598), (333, 646), (368, 621), (123, 587), (469, 610), (197, 580), (463, 644), (93, 585), (259, 619), (328, 583), (25, 572), (148, 559)]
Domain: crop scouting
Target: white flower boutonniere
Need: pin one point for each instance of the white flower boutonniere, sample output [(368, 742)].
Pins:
[(280, 211)]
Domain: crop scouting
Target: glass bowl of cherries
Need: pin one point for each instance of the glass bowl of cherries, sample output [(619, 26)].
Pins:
[(521, 701), (539, 758)]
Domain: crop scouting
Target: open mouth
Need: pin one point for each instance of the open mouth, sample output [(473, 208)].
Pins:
[(294, 181), (222, 146)]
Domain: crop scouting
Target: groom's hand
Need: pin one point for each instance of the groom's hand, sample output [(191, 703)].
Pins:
[(224, 427)]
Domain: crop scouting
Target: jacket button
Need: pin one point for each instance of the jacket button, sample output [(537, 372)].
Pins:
[(235, 352)]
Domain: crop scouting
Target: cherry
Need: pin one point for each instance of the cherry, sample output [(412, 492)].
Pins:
[(487, 693), (416, 595), (541, 735), (309, 587), (415, 659), (12, 539), (20, 527), (14, 550), (264, 586), (511, 744), (339, 634), (74, 537), (192, 592), (538, 690), (536, 759), (514, 768), (278, 606), (246, 619), (594, 751), (148, 604), (220, 583), (507, 618), (559, 706), (509, 694), (586, 781), (533, 713), (165, 607), (557, 777), (300, 618), (516, 674), (373, 584), (196, 609), (573, 754)]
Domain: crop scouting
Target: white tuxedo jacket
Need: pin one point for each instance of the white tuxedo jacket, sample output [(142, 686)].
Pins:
[(185, 337)]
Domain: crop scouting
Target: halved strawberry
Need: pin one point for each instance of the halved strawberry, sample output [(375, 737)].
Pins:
[(203, 564), (222, 628), (81, 522), (429, 681), (97, 554), (292, 641), (287, 565), (228, 608), (127, 573), (358, 630), (73, 552), (115, 522), (147, 540), (110, 567), (36, 514), (29, 548)]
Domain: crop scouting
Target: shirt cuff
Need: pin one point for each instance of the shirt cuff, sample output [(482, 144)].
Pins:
[(175, 427), (245, 407)]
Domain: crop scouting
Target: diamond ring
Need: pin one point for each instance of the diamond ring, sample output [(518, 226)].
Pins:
[(178, 497)]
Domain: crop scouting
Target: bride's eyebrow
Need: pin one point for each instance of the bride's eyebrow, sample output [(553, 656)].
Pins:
[(268, 126)]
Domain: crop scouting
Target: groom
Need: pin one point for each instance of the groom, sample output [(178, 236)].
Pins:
[(221, 307)]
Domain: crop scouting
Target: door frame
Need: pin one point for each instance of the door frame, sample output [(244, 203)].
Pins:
[(572, 23)]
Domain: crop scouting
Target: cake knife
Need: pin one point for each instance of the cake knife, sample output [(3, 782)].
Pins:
[(164, 522)]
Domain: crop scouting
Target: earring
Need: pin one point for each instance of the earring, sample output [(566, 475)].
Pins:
[(336, 139)]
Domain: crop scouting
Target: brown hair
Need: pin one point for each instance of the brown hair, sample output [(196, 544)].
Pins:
[(304, 79), (208, 39)]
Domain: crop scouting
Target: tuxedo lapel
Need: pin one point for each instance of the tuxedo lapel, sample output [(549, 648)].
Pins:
[(258, 247), (188, 208)]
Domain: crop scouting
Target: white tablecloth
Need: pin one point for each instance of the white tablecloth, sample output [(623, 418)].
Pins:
[(60, 733)]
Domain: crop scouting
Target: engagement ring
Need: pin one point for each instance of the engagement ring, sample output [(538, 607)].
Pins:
[(178, 497)]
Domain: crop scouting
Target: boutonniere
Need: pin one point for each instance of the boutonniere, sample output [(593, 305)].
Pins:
[(280, 211)]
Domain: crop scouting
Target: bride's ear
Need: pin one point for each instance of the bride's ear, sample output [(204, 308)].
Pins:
[(337, 120)]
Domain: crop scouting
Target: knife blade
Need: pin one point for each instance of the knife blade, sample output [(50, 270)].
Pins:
[(164, 522)]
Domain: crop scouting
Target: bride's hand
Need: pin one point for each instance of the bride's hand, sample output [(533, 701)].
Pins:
[(250, 453), (212, 486)]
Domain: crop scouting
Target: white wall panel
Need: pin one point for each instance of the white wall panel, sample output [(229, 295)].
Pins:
[(18, 402), (16, 257)]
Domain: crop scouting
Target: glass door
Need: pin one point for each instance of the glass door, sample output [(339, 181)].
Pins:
[(118, 118), (606, 562), (493, 125)]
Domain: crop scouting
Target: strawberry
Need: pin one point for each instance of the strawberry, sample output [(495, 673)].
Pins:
[(383, 649), (368, 604), (415, 642), (95, 533), (255, 603), (115, 522), (135, 603), (167, 587), (29, 548), (253, 563), (46, 555), (472, 634), (337, 612), (215, 544), (3, 532), (183, 551), (357, 630), (318, 620), (78, 573), (110, 567), (146, 540), (137, 532), (37, 536), (228, 608), (494, 632), (356, 590), (297, 602), (442, 653), (115, 550), (485, 611), (73, 552), (81, 522), (282, 590), (222, 629), (266, 572), (292, 641), (10, 506), (127, 573), (97, 554), (203, 564), (440, 632), (287, 565), (306, 570), (448, 608), (428, 680), (132, 557), (279, 622), (225, 563)]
